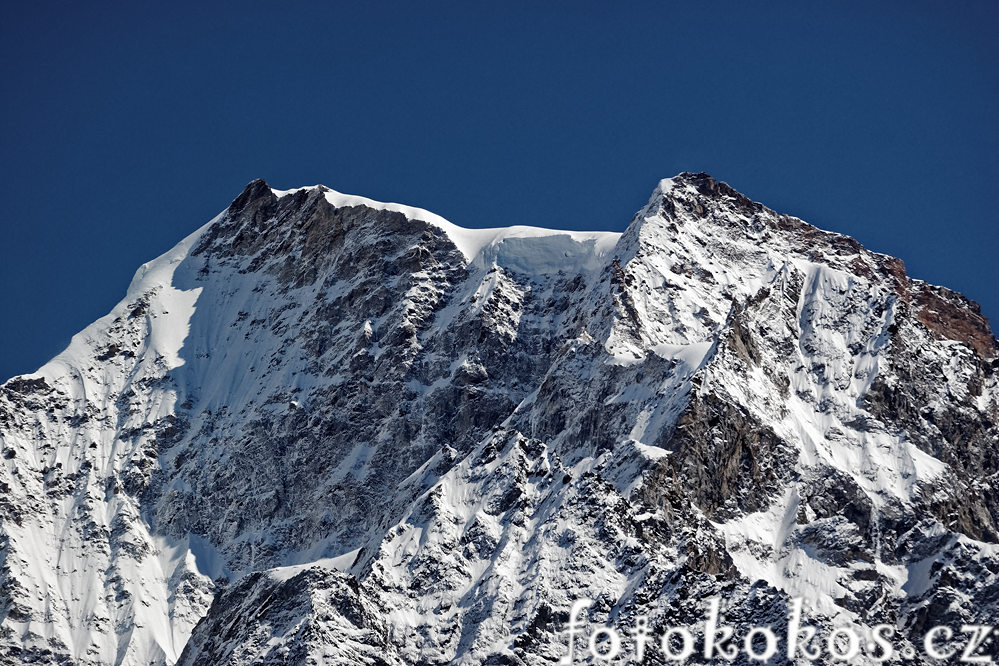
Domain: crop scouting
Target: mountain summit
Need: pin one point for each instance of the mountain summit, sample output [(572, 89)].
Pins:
[(323, 429)]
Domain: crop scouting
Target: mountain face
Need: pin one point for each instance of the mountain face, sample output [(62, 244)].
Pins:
[(326, 430)]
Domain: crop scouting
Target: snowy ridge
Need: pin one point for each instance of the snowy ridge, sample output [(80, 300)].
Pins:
[(486, 247), (325, 428)]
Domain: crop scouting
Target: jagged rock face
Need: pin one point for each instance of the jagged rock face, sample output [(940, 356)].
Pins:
[(327, 430), (311, 616)]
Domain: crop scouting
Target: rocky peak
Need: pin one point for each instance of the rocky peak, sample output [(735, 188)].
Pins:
[(254, 190), (734, 245)]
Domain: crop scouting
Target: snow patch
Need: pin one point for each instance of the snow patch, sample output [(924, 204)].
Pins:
[(339, 563)]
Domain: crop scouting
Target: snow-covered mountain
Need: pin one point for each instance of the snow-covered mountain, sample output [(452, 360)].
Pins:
[(323, 429)]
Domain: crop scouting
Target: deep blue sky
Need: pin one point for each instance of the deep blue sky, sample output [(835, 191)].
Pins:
[(124, 128)]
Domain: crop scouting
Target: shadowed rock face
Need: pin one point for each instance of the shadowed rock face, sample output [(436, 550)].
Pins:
[(339, 626), (328, 430)]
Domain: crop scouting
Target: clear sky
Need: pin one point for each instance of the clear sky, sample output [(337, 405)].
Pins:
[(124, 127)]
